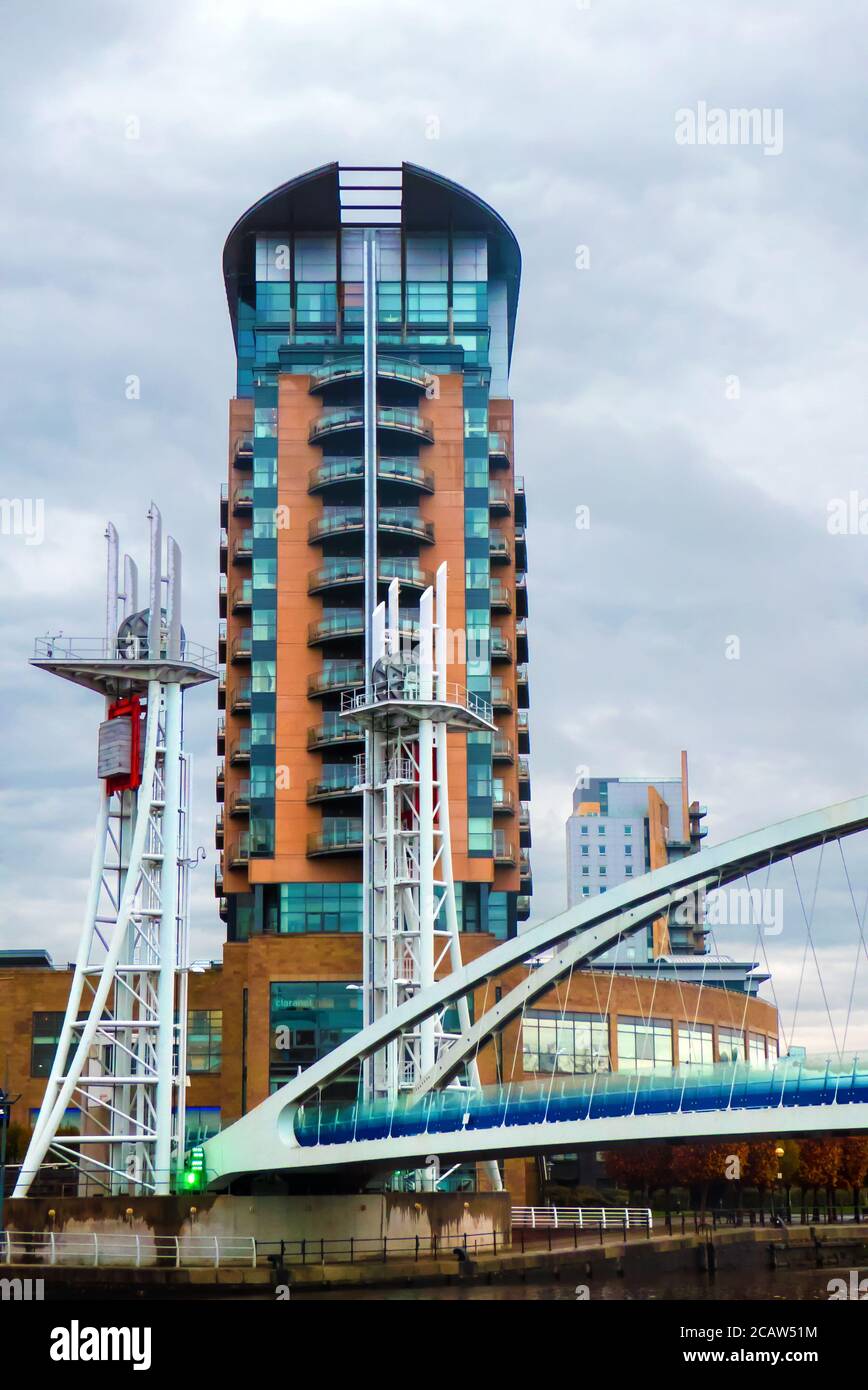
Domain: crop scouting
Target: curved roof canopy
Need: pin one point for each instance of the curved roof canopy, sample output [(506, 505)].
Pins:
[(429, 203)]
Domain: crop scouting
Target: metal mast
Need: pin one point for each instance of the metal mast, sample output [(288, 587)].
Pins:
[(121, 1060), (407, 713)]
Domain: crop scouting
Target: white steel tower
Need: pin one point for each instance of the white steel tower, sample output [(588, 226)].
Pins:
[(407, 713), (121, 1058)]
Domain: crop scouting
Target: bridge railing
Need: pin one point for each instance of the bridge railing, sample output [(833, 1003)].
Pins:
[(134, 1250), (591, 1218)]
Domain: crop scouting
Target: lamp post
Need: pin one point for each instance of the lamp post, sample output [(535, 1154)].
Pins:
[(6, 1103)]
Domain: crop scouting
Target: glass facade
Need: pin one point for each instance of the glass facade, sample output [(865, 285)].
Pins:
[(307, 1019), (730, 1045), (695, 1044), (644, 1044), (565, 1044), (204, 1040)]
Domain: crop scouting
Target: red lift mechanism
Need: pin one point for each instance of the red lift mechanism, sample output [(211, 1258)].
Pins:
[(128, 707)]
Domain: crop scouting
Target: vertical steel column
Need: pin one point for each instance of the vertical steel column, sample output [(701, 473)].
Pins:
[(369, 296)]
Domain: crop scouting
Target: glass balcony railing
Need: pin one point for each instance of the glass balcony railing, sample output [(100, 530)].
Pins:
[(341, 731), (503, 801), (498, 548), (239, 751), (338, 675), (336, 520), (501, 596), (242, 596), (339, 834), (388, 368), (502, 749), (504, 849), (501, 647), (241, 697), (398, 469), (239, 799), (406, 520), (242, 450), (351, 570), (242, 645), (499, 498), (349, 622), (498, 449), (243, 547), (337, 779), (242, 499), (239, 852), (501, 696), (400, 418)]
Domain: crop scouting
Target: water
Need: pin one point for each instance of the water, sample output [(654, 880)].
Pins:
[(783, 1285)]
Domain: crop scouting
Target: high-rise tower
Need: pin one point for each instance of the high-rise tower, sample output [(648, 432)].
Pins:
[(302, 562)]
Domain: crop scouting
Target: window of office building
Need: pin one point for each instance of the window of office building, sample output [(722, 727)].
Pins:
[(571, 1045), (204, 1040), (695, 1044), (756, 1049), (317, 907), (45, 1035), (642, 1045), (730, 1045), (307, 1019)]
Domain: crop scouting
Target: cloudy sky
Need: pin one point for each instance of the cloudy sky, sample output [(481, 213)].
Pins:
[(690, 364)]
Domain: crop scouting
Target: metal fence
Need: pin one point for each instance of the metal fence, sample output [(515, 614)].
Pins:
[(87, 1249), (590, 1218)]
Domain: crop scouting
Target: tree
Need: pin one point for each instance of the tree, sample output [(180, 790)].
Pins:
[(819, 1166), (854, 1167), (699, 1165), (640, 1168), (761, 1167)]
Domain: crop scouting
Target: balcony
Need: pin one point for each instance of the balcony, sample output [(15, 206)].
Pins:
[(524, 871), (239, 749), (504, 850), (242, 646), (522, 686), (502, 749), (498, 549), (240, 700), (335, 676), (520, 502), (523, 722), (221, 641), (499, 455), (522, 907), (242, 597), (242, 500), (242, 550), (501, 646), (239, 799), (499, 503), (339, 835), (341, 571), (221, 688), (338, 521), (520, 548), (521, 594), (501, 597), (239, 852), (349, 622), (220, 781), (335, 780), (503, 802), (521, 640), (335, 735), (501, 697), (524, 778), (223, 593), (242, 450), (398, 418), (352, 368), (218, 829), (221, 733), (389, 470), (524, 825)]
